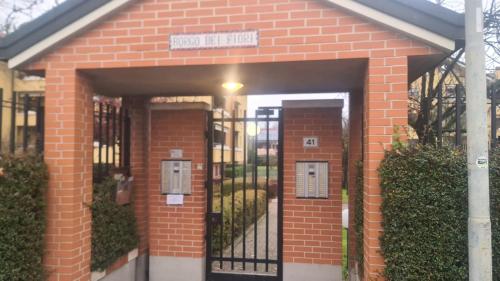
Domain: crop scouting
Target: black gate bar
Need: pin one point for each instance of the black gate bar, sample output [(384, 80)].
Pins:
[(107, 137), (233, 163), (99, 138), (267, 191), (13, 111), (223, 143), (281, 141), (244, 187), (440, 114), (39, 125), (458, 112), (26, 105), (210, 175), (255, 176), (113, 135)]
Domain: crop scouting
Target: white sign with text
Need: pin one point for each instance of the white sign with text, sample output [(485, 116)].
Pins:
[(311, 142), (214, 40)]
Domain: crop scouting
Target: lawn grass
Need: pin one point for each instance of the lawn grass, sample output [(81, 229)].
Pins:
[(345, 197)]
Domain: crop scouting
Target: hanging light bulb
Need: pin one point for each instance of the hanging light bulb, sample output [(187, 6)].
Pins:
[(232, 87)]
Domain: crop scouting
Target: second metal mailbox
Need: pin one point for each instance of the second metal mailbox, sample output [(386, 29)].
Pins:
[(176, 177), (311, 179)]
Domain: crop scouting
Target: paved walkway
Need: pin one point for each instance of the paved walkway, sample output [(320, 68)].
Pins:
[(261, 244)]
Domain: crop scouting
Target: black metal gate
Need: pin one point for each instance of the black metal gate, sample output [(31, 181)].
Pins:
[(245, 196)]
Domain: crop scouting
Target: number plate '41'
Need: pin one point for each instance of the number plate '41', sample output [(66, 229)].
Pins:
[(311, 142)]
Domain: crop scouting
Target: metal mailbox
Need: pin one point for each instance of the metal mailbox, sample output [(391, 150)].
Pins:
[(176, 177), (312, 179)]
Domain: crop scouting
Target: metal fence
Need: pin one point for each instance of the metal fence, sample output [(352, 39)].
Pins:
[(22, 122), (449, 115), (494, 95), (22, 129), (111, 137)]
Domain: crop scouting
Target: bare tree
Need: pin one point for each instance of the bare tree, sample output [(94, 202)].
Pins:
[(433, 99), (14, 12), (492, 34), (491, 28)]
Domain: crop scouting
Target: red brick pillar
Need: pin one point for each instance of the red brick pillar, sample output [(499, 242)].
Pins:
[(386, 107), (68, 153), (354, 156), (136, 108), (312, 238), (177, 232)]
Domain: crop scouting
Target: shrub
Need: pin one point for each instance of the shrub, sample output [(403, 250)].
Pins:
[(238, 185), (114, 231), (238, 171), (358, 218), (23, 181), (238, 215), (424, 210), (495, 210)]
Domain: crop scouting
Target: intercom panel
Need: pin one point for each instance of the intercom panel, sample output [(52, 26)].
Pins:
[(312, 179), (176, 177)]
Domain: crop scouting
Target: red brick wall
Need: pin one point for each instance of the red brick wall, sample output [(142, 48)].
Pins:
[(312, 227), (138, 162), (177, 231), (385, 109), (68, 154), (290, 30), (354, 156)]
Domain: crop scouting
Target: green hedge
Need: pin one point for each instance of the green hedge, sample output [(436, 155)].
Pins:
[(228, 171), (424, 212), (495, 210), (238, 185), (114, 230), (358, 217), (238, 214), (23, 180)]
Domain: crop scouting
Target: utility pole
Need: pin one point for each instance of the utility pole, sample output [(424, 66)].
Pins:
[(480, 258)]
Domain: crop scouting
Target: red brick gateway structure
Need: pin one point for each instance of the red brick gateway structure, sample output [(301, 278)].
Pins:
[(139, 49)]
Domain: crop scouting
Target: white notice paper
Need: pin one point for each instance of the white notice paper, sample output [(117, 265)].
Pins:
[(176, 153), (175, 199)]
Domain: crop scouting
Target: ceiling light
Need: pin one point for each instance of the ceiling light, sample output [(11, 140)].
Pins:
[(232, 86)]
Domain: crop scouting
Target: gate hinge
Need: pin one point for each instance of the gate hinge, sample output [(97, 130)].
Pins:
[(206, 184), (206, 134)]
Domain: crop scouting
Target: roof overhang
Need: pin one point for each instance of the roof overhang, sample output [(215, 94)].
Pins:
[(66, 32)]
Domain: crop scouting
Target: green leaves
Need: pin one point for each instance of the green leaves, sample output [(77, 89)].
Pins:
[(358, 217), (23, 181), (114, 230), (495, 210), (424, 209)]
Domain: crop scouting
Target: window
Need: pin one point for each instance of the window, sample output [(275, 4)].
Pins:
[(219, 137), (236, 139)]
